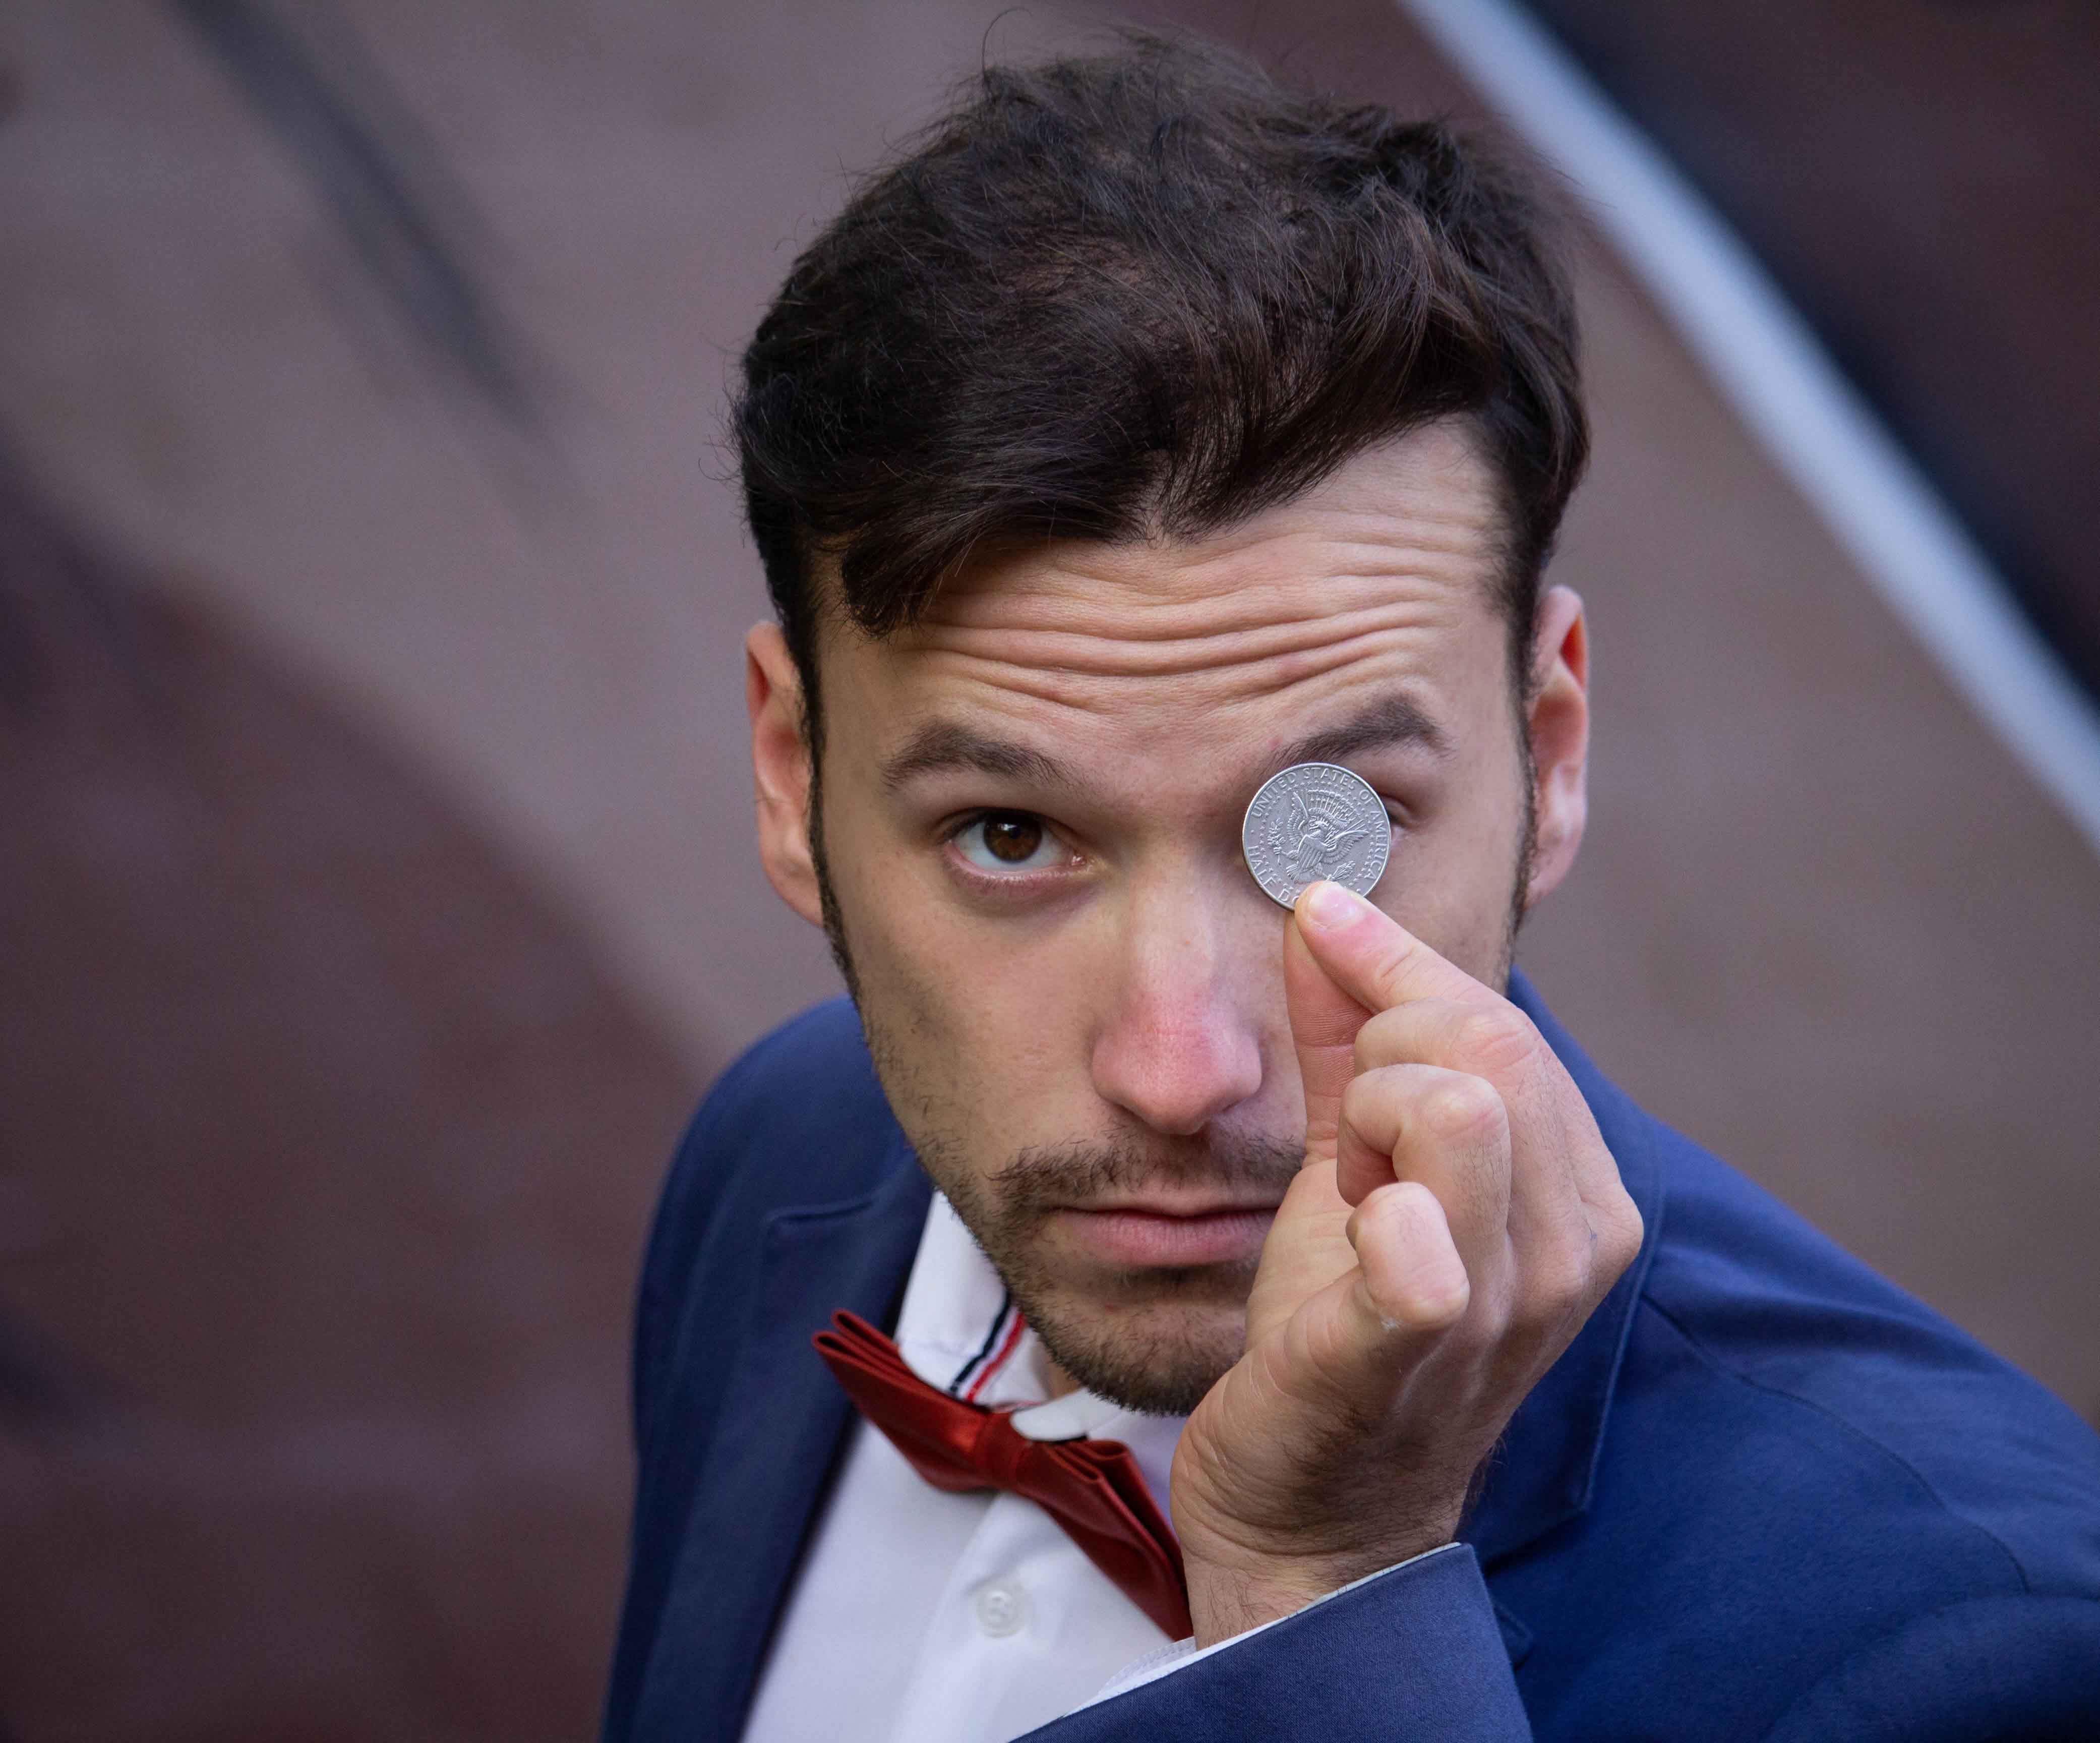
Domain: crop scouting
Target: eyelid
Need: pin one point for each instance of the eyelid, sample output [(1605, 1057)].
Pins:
[(1052, 836), (978, 814), (969, 819), (1398, 811)]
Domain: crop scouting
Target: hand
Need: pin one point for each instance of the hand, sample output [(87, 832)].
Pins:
[(1457, 1219)]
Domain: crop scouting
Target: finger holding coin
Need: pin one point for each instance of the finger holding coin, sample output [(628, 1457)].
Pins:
[(1315, 821)]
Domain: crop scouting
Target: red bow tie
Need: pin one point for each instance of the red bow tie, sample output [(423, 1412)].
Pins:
[(1093, 1489)]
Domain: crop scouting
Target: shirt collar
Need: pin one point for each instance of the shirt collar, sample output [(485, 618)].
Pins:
[(959, 1329)]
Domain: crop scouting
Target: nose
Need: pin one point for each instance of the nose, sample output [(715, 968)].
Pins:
[(1179, 1044)]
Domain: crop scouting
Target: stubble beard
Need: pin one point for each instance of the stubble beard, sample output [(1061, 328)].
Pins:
[(1173, 1331), (1153, 1338)]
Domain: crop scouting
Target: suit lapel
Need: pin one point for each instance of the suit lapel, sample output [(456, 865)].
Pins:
[(782, 1421)]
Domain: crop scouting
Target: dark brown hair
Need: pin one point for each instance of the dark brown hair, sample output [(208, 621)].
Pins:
[(1143, 294)]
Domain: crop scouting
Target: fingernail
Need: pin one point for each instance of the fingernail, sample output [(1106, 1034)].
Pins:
[(1331, 906)]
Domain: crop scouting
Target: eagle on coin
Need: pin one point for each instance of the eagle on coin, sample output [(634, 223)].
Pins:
[(1312, 845)]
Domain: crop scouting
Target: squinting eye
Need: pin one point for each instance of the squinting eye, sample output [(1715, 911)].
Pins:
[(1011, 840)]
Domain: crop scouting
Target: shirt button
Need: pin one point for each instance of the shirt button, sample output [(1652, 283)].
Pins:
[(1002, 1609)]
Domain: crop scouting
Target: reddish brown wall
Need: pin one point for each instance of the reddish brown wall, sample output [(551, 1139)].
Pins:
[(375, 887)]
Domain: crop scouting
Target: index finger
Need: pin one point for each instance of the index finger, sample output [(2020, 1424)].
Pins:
[(1372, 957), (1344, 961)]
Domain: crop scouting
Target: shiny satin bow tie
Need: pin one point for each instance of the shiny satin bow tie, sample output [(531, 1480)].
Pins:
[(1092, 1489)]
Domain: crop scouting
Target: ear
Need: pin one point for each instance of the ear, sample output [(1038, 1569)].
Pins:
[(782, 769), (1559, 725)]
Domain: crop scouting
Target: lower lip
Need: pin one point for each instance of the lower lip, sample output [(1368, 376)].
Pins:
[(1143, 1238)]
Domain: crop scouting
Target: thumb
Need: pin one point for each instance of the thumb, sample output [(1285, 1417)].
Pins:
[(1324, 1021)]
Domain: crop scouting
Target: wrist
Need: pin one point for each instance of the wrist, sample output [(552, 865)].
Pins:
[(1231, 1596)]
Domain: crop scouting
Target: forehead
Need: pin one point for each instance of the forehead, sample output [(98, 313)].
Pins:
[(1379, 582)]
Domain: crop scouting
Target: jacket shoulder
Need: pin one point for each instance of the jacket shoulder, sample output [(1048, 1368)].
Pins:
[(1811, 1489), (805, 1090), (1837, 1352)]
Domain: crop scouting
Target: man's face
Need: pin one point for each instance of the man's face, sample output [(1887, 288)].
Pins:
[(1031, 833)]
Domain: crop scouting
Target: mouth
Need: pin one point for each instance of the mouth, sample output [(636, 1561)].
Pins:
[(1142, 1233)]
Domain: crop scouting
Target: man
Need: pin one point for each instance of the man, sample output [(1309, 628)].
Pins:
[(1146, 431)]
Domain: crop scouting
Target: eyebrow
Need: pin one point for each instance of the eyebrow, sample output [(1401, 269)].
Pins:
[(942, 746), (1391, 720)]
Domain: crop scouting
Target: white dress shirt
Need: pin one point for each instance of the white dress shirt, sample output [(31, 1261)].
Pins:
[(922, 1616)]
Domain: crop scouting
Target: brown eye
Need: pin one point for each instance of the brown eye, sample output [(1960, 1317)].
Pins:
[(1012, 836), (1006, 841)]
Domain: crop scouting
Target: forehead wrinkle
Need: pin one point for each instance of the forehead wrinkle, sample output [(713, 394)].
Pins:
[(1190, 601), (1343, 703), (1376, 657), (1303, 641), (1371, 520)]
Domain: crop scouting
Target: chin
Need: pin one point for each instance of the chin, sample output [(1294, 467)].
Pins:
[(1157, 1357)]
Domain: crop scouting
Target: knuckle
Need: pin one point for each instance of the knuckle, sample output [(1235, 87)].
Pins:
[(1397, 951), (1432, 1290), (1624, 1230), (1460, 1108), (1497, 1037), (1365, 1100), (1434, 1305)]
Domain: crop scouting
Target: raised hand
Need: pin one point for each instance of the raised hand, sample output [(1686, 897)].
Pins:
[(1457, 1219)]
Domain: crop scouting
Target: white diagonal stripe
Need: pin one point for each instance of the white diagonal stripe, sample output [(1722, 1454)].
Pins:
[(1772, 371)]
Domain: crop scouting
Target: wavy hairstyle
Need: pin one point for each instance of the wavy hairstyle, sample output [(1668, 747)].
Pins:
[(1145, 294)]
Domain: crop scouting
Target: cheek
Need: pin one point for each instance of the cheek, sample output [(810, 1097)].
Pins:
[(969, 1015), (906, 979)]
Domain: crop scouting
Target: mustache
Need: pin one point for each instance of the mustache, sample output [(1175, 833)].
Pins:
[(1044, 1177)]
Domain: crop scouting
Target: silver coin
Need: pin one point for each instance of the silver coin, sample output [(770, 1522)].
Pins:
[(1315, 821)]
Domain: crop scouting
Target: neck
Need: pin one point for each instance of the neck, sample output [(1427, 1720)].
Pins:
[(1057, 1382)]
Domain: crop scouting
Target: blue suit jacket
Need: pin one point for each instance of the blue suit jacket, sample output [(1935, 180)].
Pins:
[(1763, 1494)]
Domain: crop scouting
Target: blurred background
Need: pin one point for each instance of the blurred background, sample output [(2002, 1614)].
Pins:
[(376, 890)]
